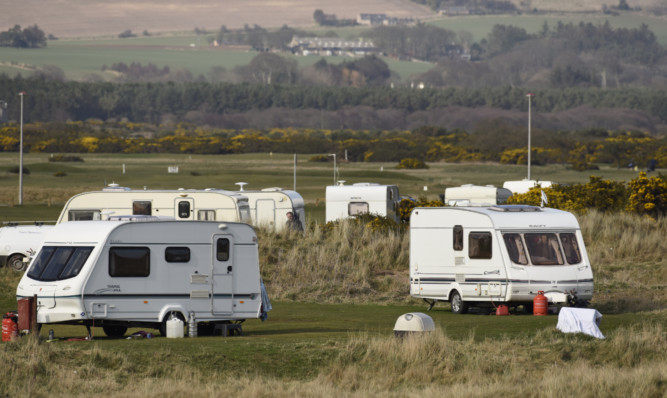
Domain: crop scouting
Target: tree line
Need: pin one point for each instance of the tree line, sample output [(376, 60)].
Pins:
[(218, 104)]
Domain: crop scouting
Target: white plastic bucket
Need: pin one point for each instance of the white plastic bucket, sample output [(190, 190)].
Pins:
[(174, 328)]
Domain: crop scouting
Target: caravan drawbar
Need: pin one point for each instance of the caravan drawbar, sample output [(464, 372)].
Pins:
[(122, 274), (503, 254)]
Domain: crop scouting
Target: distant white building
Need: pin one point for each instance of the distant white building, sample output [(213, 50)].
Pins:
[(331, 46)]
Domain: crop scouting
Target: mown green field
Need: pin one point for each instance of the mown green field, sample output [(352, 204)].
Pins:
[(41, 188), (79, 59)]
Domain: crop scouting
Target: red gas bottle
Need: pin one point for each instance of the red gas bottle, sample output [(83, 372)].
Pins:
[(540, 304), (10, 329)]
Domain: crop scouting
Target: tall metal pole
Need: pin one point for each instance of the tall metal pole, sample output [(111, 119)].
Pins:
[(295, 172), (21, 154), (529, 95), (334, 171)]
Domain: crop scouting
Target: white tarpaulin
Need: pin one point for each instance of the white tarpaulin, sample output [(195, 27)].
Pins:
[(580, 320)]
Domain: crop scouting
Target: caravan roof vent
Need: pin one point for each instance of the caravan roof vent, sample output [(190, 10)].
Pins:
[(515, 208), (115, 187), (272, 189)]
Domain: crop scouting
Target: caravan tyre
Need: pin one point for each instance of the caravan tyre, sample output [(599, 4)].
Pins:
[(16, 262), (458, 305), (114, 331)]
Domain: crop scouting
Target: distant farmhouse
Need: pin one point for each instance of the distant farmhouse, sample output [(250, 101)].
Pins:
[(455, 10), (331, 46), (382, 19)]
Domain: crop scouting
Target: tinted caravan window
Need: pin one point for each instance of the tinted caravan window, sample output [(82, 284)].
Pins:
[(479, 245), (571, 248), (177, 254), (142, 207), (222, 249), (58, 263), (83, 215), (543, 249), (515, 249), (184, 209), (129, 261), (458, 238)]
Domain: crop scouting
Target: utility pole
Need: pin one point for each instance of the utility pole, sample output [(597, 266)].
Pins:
[(530, 96), (22, 93), (334, 171)]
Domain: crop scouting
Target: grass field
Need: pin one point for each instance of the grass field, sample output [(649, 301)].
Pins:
[(330, 332), (41, 188), (80, 59)]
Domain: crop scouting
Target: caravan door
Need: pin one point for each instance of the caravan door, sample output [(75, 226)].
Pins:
[(184, 209), (265, 212), (222, 275)]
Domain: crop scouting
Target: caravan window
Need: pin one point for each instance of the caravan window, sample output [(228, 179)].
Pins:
[(184, 209), (206, 215), (515, 249), (458, 237), (355, 208), (571, 248), (177, 254), (142, 207), (129, 261), (479, 245), (544, 249), (58, 263), (222, 249), (83, 215)]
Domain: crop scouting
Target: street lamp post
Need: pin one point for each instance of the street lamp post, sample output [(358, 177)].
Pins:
[(529, 95), (334, 170), (22, 93)]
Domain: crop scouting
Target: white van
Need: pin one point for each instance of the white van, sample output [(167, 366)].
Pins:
[(476, 195), (345, 201), (269, 208), (181, 204), (19, 242), (485, 256), (122, 274)]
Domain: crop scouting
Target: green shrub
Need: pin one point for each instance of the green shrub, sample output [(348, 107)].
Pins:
[(412, 163), (60, 174), (319, 158), (15, 170)]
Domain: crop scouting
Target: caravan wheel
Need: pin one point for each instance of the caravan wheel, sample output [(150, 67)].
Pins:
[(16, 262), (458, 305), (114, 331)]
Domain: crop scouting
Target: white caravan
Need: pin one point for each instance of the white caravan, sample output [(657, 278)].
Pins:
[(476, 195), (345, 201), (485, 256), (121, 274), (19, 242), (524, 186), (181, 204), (269, 208)]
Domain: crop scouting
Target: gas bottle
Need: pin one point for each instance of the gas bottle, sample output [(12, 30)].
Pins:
[(540, 304), (10, 330)]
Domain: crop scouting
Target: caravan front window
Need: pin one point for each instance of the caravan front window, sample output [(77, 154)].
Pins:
[(355, 208), (571, 248), (544, 249), (83, 215), (58, 263), (515, 249), (129, 261)]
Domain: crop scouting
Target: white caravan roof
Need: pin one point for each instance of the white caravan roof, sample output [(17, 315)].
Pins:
[(470, 194), (360, 191), (524, 186), (498, 217), (150, 232)]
